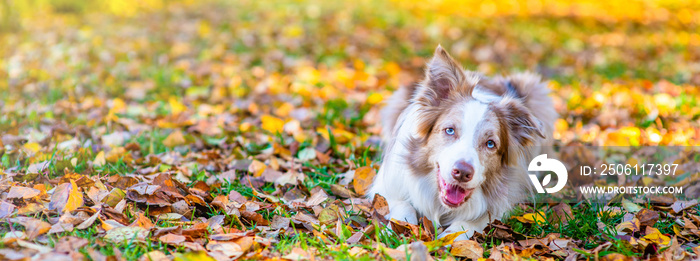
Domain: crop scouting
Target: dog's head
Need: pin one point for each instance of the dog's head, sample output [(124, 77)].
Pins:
[(466, 137)]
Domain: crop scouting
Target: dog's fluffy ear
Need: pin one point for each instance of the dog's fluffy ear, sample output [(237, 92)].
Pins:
[(443, 77), (519, 126), (445, 80)]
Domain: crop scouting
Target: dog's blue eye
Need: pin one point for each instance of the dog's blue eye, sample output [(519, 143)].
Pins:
[(450, 131), (490, 144)]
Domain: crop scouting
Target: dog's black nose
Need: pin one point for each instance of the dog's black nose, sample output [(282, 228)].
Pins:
[(463, 171)]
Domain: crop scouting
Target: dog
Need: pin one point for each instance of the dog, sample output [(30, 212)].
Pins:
[(455, 145)]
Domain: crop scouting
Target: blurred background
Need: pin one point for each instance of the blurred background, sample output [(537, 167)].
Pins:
[(622, 72)]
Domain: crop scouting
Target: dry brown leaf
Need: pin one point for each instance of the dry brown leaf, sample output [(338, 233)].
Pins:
[(298, 254), (647, 217), (561, 214), (255, 217), (228, 249), (176, 138), (257, 168), (88, 222), (341, 191), (467, 248), (66, 198), (34, 227), (154, 256), (629, 226), (70, 244), (380, 205), (279, 222), (22, 192), (172, 239), (681, 205), (6, 209)]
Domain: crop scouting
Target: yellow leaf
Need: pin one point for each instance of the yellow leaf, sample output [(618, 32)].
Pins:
[(375, 98), (533, 218), (75, 198), (118, 105), (244, 127), (561, 125), (664, 103), (446, 240), (99, 160), (272, 124), (628, 227), (655, 236), (32, 146), (363, 179), (191, 256), (257, 168), (176, 138), (176, 107), (340, 136), (284, 109)]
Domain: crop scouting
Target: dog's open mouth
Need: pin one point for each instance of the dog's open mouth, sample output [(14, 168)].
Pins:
[(451, 194)]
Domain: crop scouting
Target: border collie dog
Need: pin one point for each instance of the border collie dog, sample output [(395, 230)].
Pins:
[(455, 145)]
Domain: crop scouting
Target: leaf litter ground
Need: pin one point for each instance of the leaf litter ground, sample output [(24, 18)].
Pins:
[(200, 131)]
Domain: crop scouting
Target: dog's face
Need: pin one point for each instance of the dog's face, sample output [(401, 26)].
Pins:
[(467, 136)]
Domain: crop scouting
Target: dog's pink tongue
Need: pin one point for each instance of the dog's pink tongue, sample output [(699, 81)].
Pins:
[(455, 195)]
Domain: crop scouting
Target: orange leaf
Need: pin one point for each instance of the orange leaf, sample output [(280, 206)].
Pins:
[(364, 176)]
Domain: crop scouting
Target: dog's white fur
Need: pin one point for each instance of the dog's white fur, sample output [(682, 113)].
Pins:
[(410, 194)]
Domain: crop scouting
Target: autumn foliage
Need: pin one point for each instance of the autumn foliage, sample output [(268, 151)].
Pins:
[(200, 130)]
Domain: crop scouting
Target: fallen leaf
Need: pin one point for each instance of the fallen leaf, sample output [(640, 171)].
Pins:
[(88, 222), (647, 217), (561, 213), (380, 205), (467, 248), (630, 206), (297, 254), (653, 235), (446, 240), (307, 154), (172, 239), (272, 124), (176, 107), (66, 198), (364, 176), (99, 160), (35, 227), (70, 244), (628, 227), (257, 168), (121, 234), (170, 216), (156, 256), (32, 147), (6, 209), (680, 205), (341, 191), (228, 249), (193, 256), (532, 218), (22, 192), (176, 138)]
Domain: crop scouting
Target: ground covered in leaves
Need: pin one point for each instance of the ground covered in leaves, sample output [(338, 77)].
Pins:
[(156, 130)]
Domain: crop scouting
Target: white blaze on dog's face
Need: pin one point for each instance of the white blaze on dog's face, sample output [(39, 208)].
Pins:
[(465, 141), (457, 151)]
